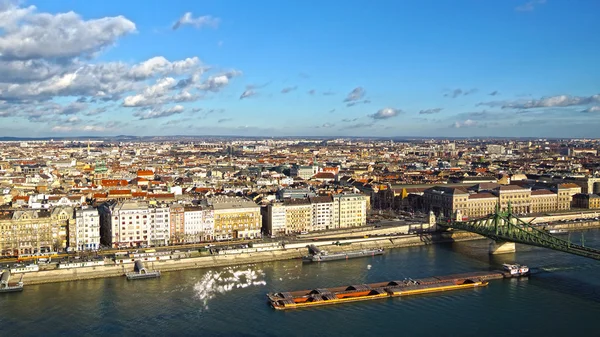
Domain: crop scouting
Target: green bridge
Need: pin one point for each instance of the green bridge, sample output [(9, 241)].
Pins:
[(504, 227)]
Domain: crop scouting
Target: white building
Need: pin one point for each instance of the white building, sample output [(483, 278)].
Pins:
[(322, 209), (87, 229), (304, 172), (159, 226), (274, 219), (198, 224), (126, 224)]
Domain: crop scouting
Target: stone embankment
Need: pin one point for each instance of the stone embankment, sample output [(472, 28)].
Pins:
[(61, 275)]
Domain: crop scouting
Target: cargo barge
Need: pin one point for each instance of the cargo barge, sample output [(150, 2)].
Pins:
[(319, 255), (363, 292)]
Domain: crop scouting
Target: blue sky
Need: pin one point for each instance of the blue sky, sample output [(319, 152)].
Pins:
[(314, 68)]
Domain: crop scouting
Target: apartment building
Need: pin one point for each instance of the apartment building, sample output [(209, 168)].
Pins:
[(315, 213), (198, 223), (177, 223), (160, 225), (235, 218), (274, 219), (322, 213), (30, 231), (134, 224), (84, 233), (298, 215), (349, 210)]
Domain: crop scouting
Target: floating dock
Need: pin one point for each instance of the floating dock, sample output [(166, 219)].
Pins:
[(140, 272), (6, 286), (363, 292)]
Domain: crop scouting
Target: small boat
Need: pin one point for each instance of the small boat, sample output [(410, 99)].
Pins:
[(140, 272), (6, 286), (558, 231), (516, 269)]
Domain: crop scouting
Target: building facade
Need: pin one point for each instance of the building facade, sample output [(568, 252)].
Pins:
[(84, 234), (349, 210), (446, 201), (34, 231), (298, 215), (235, 218)]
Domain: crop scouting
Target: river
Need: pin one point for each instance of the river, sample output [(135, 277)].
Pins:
[(561, 298)]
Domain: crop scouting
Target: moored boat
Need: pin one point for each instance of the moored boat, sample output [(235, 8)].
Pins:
[(323, 256), (516, 269)]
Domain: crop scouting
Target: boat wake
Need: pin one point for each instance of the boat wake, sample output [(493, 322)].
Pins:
[(214, 283)]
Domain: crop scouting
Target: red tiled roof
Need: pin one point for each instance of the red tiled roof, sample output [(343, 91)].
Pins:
[(113, 182), (119, 192), (161, 195), (145, 173)]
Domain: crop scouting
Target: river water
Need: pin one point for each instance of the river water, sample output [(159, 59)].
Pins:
[(561, 298)]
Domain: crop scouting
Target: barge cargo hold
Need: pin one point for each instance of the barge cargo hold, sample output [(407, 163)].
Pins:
[(318, 255), (363, 292)]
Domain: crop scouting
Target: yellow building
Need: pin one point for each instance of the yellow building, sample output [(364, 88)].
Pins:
[(586, 201), (236, 218), (298, 215), (32, 231), (446, 201)]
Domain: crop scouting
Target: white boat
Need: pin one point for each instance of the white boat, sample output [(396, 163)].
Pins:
[(17, 269), (557, 231), (516, 269)]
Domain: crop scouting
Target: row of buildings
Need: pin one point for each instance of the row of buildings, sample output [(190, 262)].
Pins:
[(315, 214), (145, 223)]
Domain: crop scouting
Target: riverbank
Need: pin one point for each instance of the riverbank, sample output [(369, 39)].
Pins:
[(210, 261)]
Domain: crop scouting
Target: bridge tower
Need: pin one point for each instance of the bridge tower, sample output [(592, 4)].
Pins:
[(432, 222), (501, 246)]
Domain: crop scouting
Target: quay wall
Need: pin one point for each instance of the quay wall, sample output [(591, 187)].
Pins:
[(62, 275)]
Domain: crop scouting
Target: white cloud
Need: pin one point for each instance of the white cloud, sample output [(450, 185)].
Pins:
[(159, 113), (467, 123), (30, 35), (552, 101), (595, 108), (386, 113), (161, 66), (83, 128), (152, 94), (47, 58), (199, 22)]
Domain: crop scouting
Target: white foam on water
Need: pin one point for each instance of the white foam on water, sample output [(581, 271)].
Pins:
[(369, 266), (215, 283)]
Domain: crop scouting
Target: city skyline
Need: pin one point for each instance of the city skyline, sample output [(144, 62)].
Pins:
[(435, 69)]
